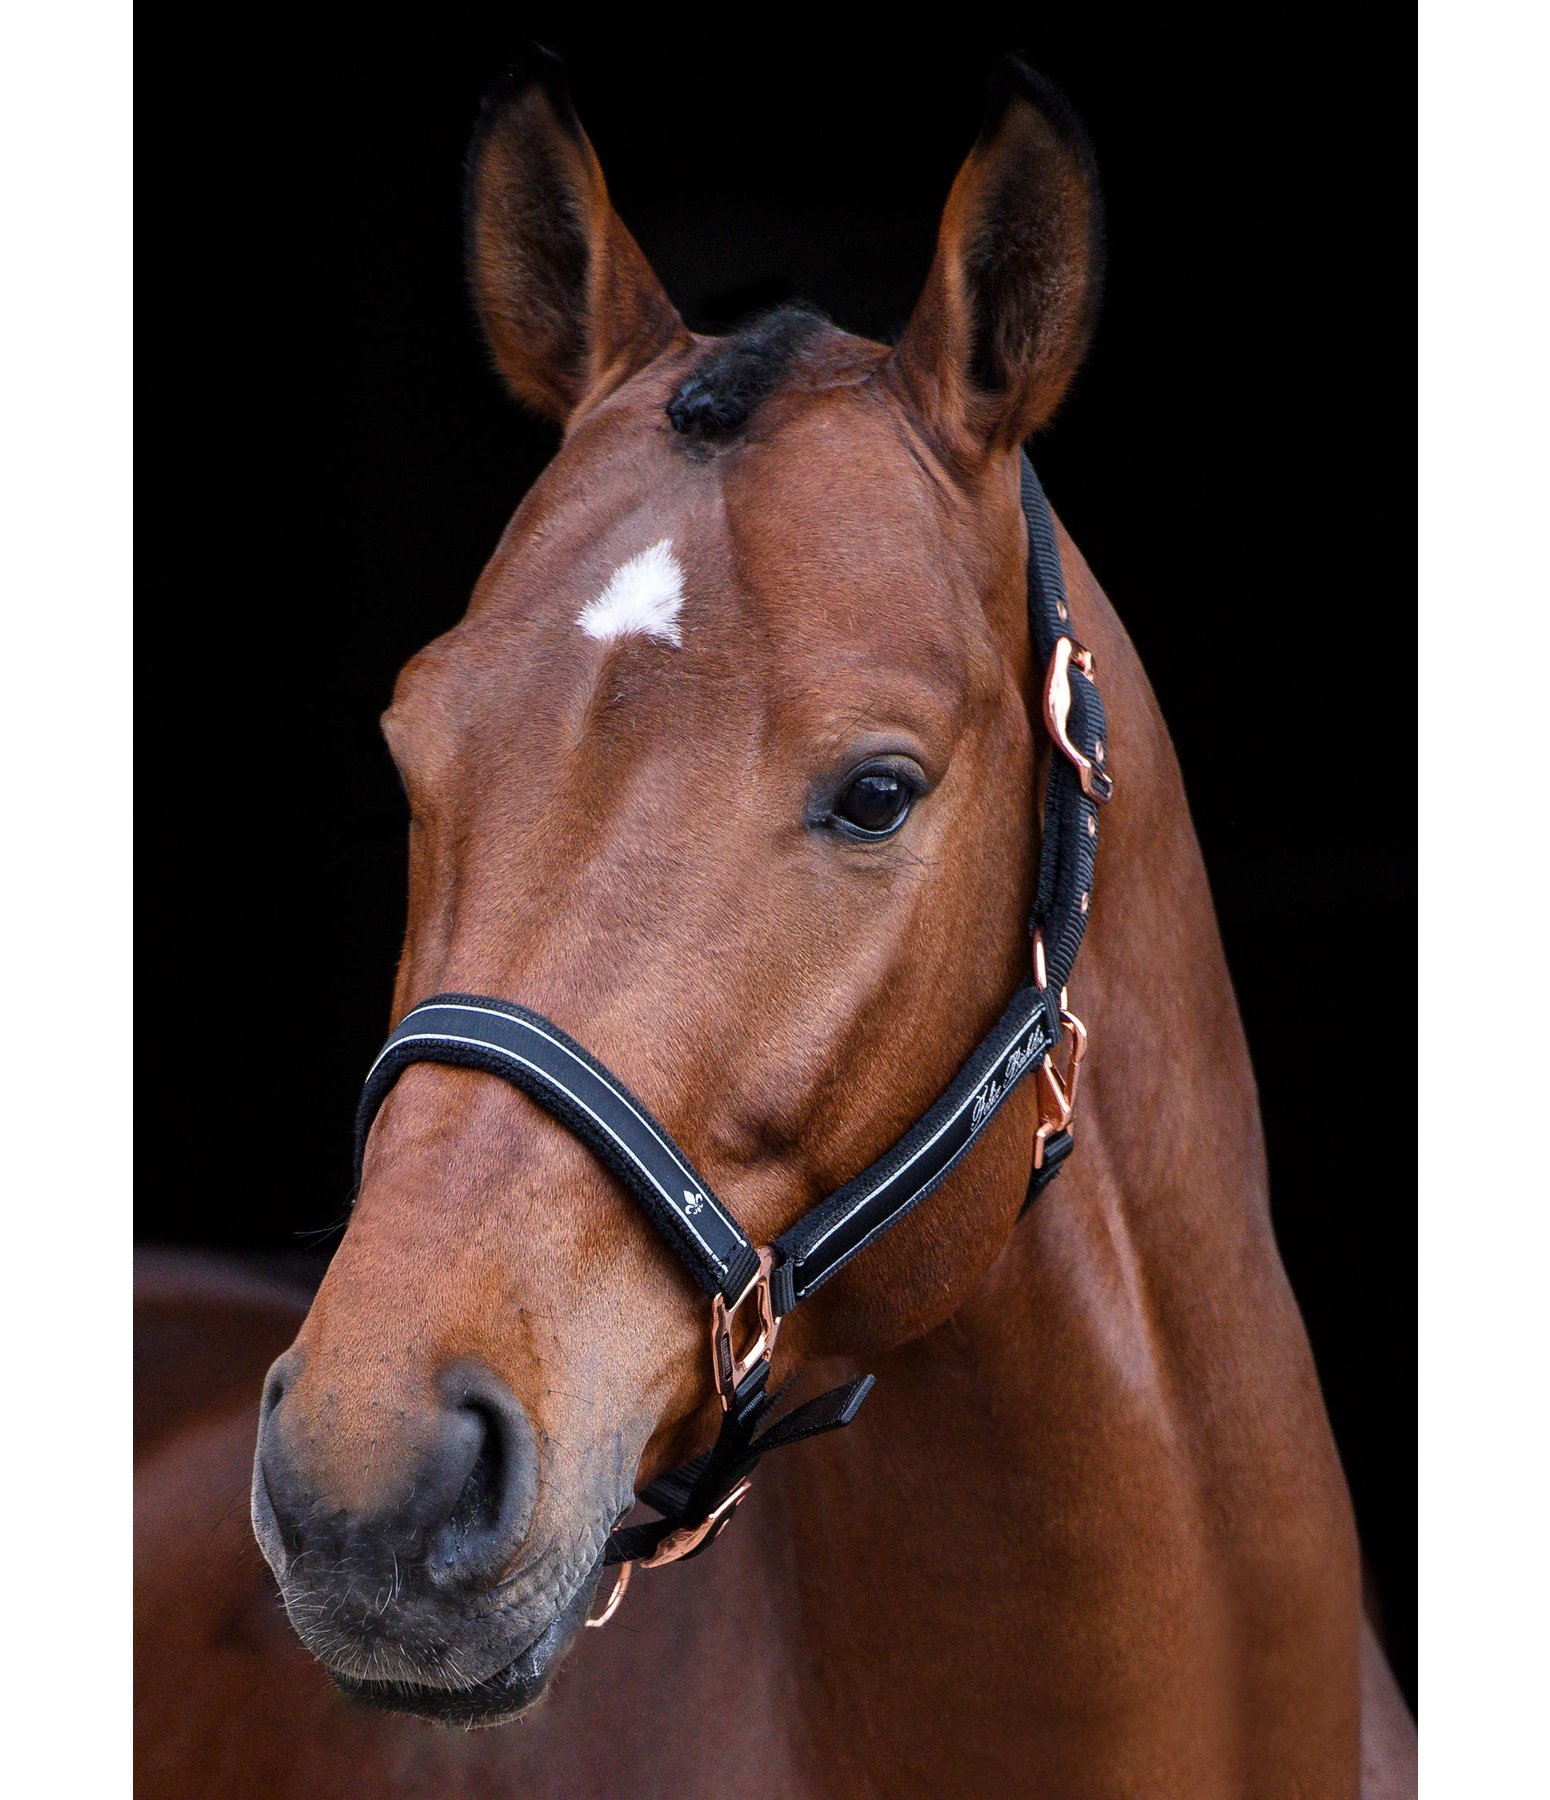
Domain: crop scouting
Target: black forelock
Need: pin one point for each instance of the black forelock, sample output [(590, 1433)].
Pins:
[(719, 396)]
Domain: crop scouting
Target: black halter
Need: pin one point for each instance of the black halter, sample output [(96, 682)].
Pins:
[(533, 1054)]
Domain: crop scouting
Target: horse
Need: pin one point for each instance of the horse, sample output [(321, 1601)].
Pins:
[(732, 769)]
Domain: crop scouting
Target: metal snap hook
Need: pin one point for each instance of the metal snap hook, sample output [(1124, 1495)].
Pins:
[(1097, 783)]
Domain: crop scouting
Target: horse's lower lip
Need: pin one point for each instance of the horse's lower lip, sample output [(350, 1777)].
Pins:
[(500, 1697), (494, 1701)]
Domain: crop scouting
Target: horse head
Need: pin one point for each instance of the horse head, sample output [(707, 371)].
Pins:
[(730, 769)]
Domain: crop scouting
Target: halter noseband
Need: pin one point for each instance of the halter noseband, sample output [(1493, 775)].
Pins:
[(472, 1031)]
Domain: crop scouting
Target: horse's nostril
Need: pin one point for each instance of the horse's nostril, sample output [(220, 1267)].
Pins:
[(493, 1503), (480, 1504), (282, 1372)]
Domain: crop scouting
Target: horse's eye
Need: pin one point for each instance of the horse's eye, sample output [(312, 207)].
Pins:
[(875, 804)]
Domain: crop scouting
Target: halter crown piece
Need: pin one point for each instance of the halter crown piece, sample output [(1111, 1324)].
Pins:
[(752, 1289)]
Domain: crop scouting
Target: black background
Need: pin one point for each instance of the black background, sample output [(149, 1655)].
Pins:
[(325, 463)]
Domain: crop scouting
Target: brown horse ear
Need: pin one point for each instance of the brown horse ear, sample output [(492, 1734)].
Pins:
[(570, 307), (1010, 302)]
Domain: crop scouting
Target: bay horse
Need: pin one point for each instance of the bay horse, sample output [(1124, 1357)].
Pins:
[(1091, 1535)]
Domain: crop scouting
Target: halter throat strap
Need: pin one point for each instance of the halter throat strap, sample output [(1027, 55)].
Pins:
[(533, 1054)]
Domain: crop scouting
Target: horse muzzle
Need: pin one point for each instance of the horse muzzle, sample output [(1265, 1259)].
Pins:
[(412, 1560)]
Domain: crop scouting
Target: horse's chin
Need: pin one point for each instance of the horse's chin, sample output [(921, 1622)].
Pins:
[(498, 1698)]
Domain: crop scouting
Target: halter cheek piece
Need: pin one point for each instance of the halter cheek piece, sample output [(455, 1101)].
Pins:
[(751, 1290)]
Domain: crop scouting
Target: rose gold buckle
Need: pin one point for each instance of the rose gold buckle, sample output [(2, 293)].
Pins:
[(1057, 1089), (1097, 783), (728, 1368), (674, 1548), (688, 1538)]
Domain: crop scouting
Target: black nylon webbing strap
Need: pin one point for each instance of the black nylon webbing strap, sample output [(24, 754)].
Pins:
[(695, 1489), (823, 1241), (1069, 849), (527, 1050)]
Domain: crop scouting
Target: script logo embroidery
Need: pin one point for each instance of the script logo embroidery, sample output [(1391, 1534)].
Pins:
[(990, 1096)]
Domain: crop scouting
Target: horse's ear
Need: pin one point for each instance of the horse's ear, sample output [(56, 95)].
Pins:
[(570, 307), (1009, 305)]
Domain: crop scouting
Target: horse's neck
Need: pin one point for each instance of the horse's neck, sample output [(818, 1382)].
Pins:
[(1096, 1520)]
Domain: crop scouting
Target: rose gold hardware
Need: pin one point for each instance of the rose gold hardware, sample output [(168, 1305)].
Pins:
[(1057, 1090), (728, 1368), (621, 1582), (1092, 826), (1082, 904), (1098, 752), (1096, 784), (674, 1548), (1040, 966), (1078, 1050), (678, 1544), (1063, 610)]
